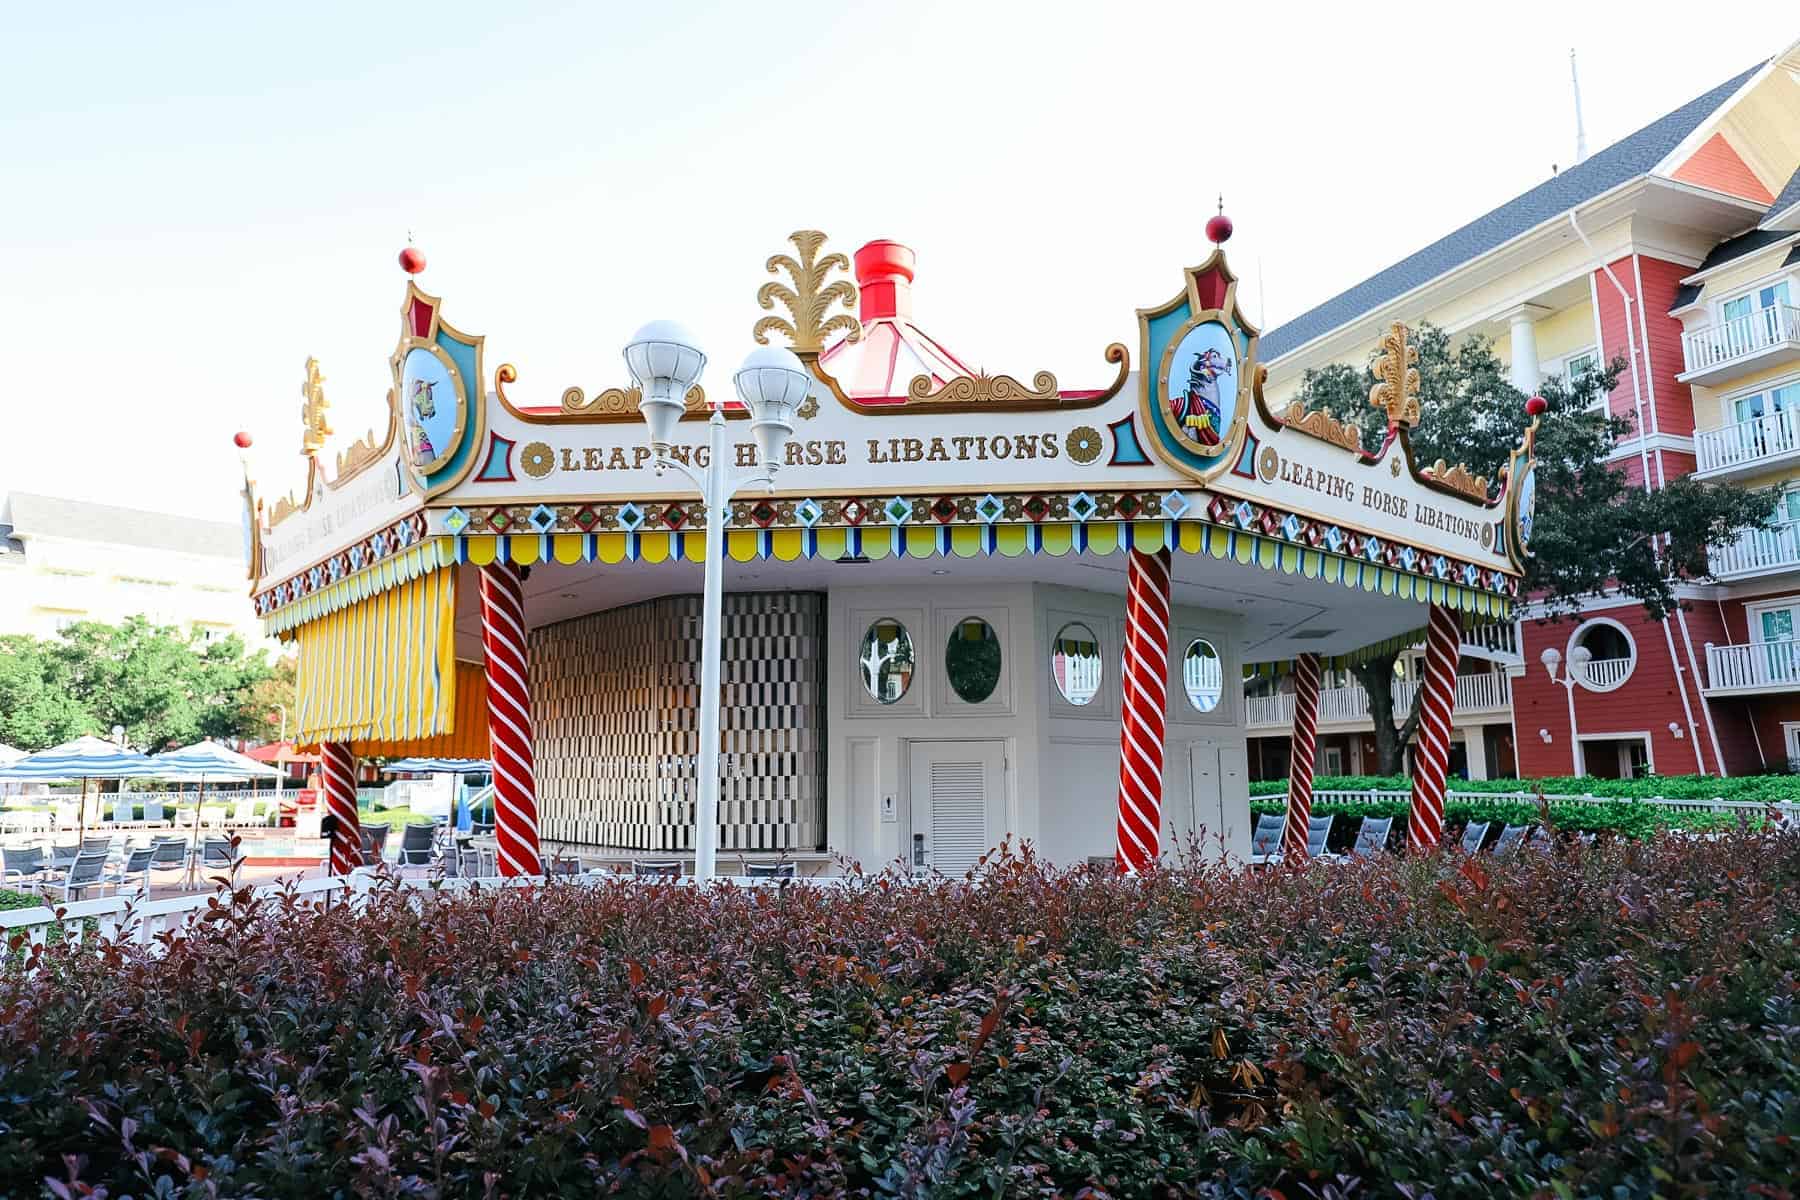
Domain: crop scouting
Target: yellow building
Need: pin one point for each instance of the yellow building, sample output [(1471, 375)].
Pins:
[(1676, 250)]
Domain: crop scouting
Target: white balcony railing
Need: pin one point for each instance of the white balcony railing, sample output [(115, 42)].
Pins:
[(1748, 443), (1758, 552), (1758, 667), (1484, 693), (1605, 674), (1741, 337)]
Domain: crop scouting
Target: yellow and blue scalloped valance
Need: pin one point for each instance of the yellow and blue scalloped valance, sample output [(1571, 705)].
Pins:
[(974, 541)]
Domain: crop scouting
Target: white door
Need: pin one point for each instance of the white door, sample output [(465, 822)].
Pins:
[(1219, 822), (958, 803)]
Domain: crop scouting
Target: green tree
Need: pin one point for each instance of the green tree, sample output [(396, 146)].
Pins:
[(165, 688), (1595, 531), (37, 709)]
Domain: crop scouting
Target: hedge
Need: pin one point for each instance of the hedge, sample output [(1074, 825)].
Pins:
[(1621, 1021), (1625, 818), (1764, 788)]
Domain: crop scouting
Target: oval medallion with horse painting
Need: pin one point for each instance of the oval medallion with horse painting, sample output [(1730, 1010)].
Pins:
[(1202, 386), (432, 405)]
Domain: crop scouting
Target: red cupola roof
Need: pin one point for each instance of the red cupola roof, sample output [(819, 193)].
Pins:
[(893, 351)]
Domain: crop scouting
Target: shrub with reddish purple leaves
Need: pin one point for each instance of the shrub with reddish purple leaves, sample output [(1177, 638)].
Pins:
[(1618, 1022)]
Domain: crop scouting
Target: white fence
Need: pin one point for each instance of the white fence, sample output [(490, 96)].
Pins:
[(1759, 550), (1758, 666), (1741, 337), (1485, 693), (148, 923), (1747, 443), (1789, 810)]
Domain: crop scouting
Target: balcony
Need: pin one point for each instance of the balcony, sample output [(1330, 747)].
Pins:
[(1605, 674), (1765, 338), (1748, 446), (1748, 670), (1759, 552), (1475, 694)]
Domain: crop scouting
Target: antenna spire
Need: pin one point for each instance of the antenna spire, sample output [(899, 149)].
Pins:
[(1580, 129)]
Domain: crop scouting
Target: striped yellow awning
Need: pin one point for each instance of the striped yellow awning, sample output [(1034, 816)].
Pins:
[(382, 675)]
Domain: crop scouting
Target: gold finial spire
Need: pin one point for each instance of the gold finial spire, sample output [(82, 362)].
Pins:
[(315, 426), (806, 324), (1396, 389)]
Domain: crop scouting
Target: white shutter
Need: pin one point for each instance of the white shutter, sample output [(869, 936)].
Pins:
[(959, 832)]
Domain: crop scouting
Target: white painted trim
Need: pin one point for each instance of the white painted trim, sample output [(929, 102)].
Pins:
[(1753, 613), (1575, 640), (1728, 264), (1702, 133), (1774, 220), (1628, 447), (1716, 307), (1637, 278), (1790, 738), (1623, 736), (1696, 592)]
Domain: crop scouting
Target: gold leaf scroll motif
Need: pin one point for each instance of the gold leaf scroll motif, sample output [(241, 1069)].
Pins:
[(284, 508), (983, 389), (357, 456), (622, 403), (808, 301), (1396, 390), (1323, 426), (1461, 479), (315, 427)]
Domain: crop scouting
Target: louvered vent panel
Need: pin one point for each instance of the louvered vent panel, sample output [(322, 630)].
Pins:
[(959, 833)]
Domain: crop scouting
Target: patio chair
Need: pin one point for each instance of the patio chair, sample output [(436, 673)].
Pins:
[(1265, 842), (774, 870), (415, 845), (1474, 834), (87, 871), (219, 855), (168, 854), (100, 845), (1371, 838), (25, 864), (657, 867), (153, 813), (1318, 835), (124, 813), (137, 869), (68, 814), (62, 855), (374, 844), (481, 828), (243, 813), (1511, 838)]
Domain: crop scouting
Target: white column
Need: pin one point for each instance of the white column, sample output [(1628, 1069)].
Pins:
[(1524, 369), (1475, 744)]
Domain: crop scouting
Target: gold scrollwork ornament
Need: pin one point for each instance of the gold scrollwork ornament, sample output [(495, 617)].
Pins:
[(1396, 370), (809, 321)]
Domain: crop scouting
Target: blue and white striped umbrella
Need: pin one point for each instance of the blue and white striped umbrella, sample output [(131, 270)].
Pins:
[(84, 758), (438, 766), (210, 762)]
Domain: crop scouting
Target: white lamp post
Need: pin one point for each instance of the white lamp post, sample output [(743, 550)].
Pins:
[(665, 363), (1578, 661)]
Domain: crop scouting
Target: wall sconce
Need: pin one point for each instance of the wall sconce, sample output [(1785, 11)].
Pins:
[(1674, 730), (1545, 734)]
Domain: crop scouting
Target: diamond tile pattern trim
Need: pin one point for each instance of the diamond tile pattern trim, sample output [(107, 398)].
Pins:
[(543, 518), (897, 510), (808, 512), (1175, 506), (614, 699), (630, 517)]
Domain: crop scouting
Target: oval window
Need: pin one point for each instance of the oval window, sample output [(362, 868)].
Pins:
[(887, 660), (972, 659), (1203, 675), (1075, 661)]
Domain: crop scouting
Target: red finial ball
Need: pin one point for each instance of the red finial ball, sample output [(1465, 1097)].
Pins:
[(1218, 229), (412, 260), (1536, 406), (242, 440)]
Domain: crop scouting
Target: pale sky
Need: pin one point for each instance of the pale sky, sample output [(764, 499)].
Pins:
[(195, 197)]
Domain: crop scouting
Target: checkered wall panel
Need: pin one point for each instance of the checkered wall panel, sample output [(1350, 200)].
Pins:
[(615, 700)]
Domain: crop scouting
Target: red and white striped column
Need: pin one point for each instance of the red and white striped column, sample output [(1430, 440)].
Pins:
[(1431, 760), (337, 766), (1304, 754), (1146, 709), (509, 718)]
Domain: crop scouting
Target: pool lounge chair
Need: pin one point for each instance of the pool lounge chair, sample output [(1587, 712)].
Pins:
[(1265, 842), (1372, 837), (1474, 834)]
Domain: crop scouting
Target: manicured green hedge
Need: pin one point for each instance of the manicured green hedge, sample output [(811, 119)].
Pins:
[(1626, 818), (1768, 788), (1621, 1022)]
